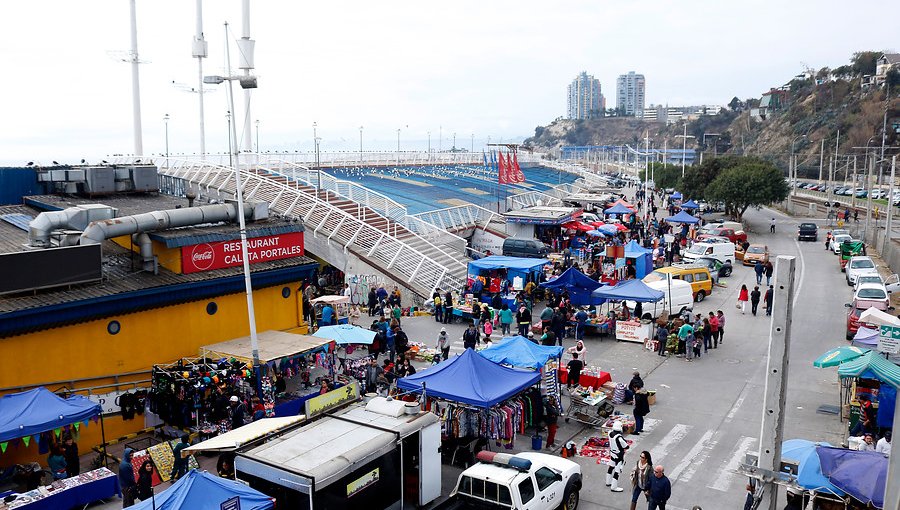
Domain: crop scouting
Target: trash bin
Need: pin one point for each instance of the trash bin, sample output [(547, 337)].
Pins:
[(536, 441)]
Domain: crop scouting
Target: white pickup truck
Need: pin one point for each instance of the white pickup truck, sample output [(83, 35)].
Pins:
[(525, 481)]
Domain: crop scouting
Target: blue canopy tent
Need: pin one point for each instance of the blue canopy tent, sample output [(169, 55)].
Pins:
[(577, 284), (643, 258), (676, 195), (199, 490), (809, 471), (618, 209), (344, 334), (32, 412), (515, 266), (608, 229), (519, 352), (629, 290), (690, 204), (682, 217), (470, 379), (862, 475)]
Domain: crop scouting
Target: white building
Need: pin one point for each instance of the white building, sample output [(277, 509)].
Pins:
[(584, 98), (630, 94)]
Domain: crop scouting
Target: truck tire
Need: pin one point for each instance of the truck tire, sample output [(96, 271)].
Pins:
[(570, 499), (701, 295)]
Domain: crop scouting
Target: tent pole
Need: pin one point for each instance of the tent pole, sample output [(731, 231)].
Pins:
[(103, 438)]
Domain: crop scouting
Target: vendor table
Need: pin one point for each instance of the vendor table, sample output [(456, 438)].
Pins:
[(458, 312), (600, 328), (77, 491), (586, 380)]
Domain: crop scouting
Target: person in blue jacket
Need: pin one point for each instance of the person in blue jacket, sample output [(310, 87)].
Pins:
[(659, 490), (126, 479)]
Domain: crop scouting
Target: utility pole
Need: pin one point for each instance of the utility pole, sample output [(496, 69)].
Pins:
[(772, 430), (853, 195), (890, 208), (821, 160), (869, 197)]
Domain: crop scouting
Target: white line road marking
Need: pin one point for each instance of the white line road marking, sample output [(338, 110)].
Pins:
[(737, 403), (802, 270), (690, 460), (726, 475), (665, 445)]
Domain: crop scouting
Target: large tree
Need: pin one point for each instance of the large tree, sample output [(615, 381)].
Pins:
[(864, 62), (698, 178), (751, 183)]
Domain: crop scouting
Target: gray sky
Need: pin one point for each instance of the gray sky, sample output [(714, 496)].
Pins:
[(495, 68)]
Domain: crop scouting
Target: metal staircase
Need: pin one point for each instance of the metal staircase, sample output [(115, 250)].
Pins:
[(380, 241)]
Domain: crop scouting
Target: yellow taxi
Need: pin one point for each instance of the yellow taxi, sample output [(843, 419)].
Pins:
[(698, 276)]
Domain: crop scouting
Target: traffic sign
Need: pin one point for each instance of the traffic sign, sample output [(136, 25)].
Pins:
[(889, 339)]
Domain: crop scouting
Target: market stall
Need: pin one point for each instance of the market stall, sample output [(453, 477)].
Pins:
[(290, 355), (618, 209), (862, 475), (519, 352), (640, 258), (683, 217), (506, 275), (40, 415), (873, 378), (477, 398), (635, 291), (199, 490), (340, 309), (577, 284), (690, 204)]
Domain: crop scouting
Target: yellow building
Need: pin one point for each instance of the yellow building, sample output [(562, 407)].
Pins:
[(101, 338)]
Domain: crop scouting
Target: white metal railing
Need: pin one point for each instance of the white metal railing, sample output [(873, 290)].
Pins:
[(462, 216), (375, 201), (384, 248), (333, 159)]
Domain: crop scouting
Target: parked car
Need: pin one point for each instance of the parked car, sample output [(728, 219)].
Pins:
[(715, 266), (513, 247), (856, 308), (697, 276), (891, 283), (756, 252), (808, 232), (858, 266), (723, 252), (836, 241)]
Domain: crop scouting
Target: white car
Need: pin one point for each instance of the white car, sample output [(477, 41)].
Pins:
[(858, 266), (872, 292), (891, 284), (836, 241)]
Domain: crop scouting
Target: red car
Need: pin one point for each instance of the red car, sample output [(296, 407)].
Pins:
[(856, 308), (735, 236)]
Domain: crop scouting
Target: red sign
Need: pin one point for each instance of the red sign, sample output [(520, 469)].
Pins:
[(218, 255)]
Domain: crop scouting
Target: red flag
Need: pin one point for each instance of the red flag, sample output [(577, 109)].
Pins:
[(501, 165), (520, 177)]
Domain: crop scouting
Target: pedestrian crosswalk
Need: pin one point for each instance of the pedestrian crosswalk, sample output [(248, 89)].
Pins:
[(695, 457)]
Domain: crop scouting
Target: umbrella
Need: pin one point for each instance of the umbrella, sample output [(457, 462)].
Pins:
[(862, 475), (809, 471), (595, 233), (609, 229), (621, 227), (346, 334), (838, 355), (577, 225), (597, 223)]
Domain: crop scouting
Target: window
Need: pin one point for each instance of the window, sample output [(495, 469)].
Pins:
[(709, 250), (286, 292), (518, 244), (862, 264), (687, 277), (503, 497), (113, 327), (544, 477), (465, 485), (700, 277), (871, 294), (478, 487), (212, 308), (526, 490)]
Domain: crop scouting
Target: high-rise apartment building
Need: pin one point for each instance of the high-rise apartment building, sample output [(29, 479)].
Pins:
[(584, 98), (630, 94)]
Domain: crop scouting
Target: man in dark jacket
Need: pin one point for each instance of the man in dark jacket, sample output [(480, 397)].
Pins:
[(754, 300), (126, 479), (180, 465), (237, 412), (660, 489), (770, 293), (641, 409), (470, 337), (558, 324), (401, 342)]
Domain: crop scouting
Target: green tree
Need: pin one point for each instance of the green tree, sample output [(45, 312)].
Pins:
[(751, 183), (664, 175), (893, 78), (697, 178), (736, 104), (863, 62)]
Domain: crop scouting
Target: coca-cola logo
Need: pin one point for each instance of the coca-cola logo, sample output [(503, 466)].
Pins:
[(202, 256)]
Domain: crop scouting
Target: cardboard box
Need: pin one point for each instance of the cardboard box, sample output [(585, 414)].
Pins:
[(651, 399)]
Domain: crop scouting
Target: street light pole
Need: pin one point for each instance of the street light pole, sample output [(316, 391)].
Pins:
[(398, 146), (472, 145), (166, 119), (257, 136), (360, 145), (684, 138)]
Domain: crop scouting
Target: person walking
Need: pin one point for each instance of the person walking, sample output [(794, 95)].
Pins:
[(506, 319), (551, 417), (772, 226), (470, 338), (438, 308), (581, 318), (448, 307), (558, 324), (770, 293), (640, 477), (754, 300), (714, 329), (641, 409), (443, 343), (720, 315), (180, 465), (743, 297), (659, 489), (759, 269), (372, 301), (617, 448), (769, 270), (523, 319), (662, 336), (707, 335)]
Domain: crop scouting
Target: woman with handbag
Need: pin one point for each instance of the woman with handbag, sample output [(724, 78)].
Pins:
[(640, 477), (743, 297)]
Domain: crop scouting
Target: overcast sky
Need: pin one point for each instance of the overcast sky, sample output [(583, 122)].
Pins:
[(488, 68)]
